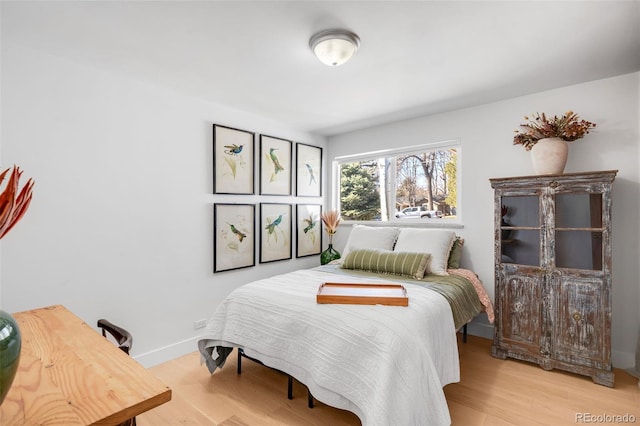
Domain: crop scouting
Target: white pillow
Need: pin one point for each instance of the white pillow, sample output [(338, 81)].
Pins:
[(437, 242), (371, 237)]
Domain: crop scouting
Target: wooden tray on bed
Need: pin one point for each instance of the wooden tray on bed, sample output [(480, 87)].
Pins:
[(363, 294)]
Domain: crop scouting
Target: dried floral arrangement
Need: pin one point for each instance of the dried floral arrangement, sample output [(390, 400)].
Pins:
[(331, 220), (568, 127), (13, 202)]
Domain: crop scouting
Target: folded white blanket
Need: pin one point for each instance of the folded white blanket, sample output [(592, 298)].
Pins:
[(386, 364)]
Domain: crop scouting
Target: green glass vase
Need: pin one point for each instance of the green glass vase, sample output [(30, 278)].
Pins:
[(330, 253), (10, 344)]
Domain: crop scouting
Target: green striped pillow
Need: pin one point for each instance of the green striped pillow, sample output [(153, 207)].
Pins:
[(407, 264)]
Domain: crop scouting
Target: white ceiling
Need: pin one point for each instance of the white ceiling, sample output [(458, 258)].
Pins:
[(416, 57)]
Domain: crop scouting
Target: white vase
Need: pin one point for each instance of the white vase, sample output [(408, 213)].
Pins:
[(549, 156)]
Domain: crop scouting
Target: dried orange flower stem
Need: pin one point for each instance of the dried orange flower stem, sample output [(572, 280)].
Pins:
[(331, 220)]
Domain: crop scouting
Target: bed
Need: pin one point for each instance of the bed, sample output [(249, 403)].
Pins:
[(386, 364)]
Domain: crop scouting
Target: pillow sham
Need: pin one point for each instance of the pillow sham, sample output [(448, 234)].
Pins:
[(371, 237), (411, 265), (437, 242), (455, 254)]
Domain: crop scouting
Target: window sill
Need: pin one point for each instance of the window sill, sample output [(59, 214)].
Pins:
[(408, 223)]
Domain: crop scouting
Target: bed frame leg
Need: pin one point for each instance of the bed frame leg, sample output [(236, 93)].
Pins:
[(289, 378), (464, 334)]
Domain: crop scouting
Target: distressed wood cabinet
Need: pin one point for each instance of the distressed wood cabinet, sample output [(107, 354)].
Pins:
[(553, 271)]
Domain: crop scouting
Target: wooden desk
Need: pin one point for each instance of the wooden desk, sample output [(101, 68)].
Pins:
[(70, 375)]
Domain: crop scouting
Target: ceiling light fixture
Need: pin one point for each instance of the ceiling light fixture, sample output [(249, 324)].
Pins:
[(334, 47)]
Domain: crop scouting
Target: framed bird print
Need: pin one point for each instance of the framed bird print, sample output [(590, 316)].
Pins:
[(275, 166), (234, 240), (275, 232), (308, 229), (308, 170), (233, 161)]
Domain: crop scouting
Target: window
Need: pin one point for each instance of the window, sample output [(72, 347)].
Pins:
[(415, 183)]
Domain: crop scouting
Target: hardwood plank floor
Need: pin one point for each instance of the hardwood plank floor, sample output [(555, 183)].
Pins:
[(491, 392)]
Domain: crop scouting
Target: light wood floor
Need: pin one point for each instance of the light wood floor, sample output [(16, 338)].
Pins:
[(490, 392)]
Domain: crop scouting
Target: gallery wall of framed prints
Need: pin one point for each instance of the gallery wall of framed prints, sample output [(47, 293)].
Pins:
[(258, 225)]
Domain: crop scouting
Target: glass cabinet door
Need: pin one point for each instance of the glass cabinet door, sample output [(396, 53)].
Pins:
[(578, 232), (520, 230)]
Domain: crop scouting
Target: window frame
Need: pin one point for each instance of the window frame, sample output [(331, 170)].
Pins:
[(394, 152)]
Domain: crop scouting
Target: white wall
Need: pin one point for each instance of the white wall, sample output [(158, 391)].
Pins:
[(486, 134), (121, 222)]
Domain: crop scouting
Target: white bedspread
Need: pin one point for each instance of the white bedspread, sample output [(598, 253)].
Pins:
[(386, 364)]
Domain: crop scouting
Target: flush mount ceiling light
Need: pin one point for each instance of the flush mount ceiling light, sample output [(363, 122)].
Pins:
[(334, 47)]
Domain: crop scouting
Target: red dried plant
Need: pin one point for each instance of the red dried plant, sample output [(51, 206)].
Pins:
[(13, 203)]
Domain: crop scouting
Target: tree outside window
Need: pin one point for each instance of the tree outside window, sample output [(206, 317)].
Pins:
[(420, 184)]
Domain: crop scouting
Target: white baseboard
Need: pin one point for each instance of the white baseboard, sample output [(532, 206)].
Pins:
[(481, 330), (167, 353), (478, 327), (623, 360)]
